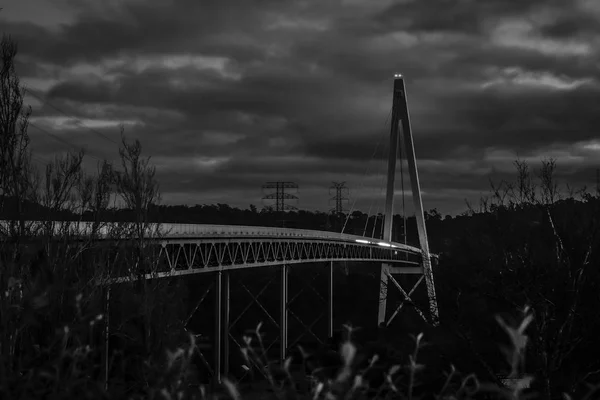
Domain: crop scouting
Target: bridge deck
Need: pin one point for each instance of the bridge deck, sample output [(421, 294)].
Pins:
[(195, 248), (240, 231), (167, 231)]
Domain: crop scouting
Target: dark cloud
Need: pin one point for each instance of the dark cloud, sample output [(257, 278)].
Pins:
[(570, 24), (227, 95), (467, 16), (527, 117), (213, 27), (83, 91)]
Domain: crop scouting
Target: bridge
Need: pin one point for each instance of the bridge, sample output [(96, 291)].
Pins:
[(218, 250), (198, 248)]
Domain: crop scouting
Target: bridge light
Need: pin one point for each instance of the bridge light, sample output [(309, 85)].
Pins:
[(362, 241), (384, 244)]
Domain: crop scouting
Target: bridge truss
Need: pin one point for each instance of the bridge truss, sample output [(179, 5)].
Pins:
[(225, 251), (188, 255)]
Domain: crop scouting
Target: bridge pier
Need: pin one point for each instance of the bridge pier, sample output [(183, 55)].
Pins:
[(226, 314), (387, 279), (106, 296), (222, 313), (330, 300), (283, 324), (218, 327), (383, 288)]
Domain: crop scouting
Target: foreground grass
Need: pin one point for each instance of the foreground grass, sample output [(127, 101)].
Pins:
[(70, 366)]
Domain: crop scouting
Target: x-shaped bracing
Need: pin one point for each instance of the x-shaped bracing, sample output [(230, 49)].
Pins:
[(187, 320), (255, 300), (308, 329), (406, 297)]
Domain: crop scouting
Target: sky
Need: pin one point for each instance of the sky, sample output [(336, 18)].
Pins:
[(228, 95)]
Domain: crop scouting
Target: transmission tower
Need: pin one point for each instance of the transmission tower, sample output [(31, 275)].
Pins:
[(280, 194), (341, 193)]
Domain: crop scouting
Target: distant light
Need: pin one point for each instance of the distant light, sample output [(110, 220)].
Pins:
[(362, 241), (397, 75), (384, 244)]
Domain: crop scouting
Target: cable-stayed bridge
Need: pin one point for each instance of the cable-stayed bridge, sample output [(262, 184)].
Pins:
[(218, 250)]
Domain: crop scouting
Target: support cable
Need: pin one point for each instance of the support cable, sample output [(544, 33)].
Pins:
[(377, 201), (367, 221), (375, 222), (382, 188), (374, 200), (383, 227), (381, 195), (403, 194), (366, 172)]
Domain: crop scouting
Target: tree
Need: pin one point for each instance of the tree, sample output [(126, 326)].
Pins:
[(49, 282), (433, 215), (137, 187), (94, 193), (16, 174), (57, 193), (531, 247)]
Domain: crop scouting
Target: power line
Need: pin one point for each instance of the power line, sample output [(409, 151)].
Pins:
[(38, 160), (77, 120), (58, 138)]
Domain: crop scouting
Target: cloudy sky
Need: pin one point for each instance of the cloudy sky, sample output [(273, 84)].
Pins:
[(227, 95)]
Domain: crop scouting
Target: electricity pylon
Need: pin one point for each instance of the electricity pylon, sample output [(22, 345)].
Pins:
[(341, 193), (280, 195)]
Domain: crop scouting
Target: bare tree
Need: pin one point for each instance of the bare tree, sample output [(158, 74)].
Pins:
[(57, 194), (39, 287), (16, 183), (138, 189), (548, 184), (544, 252), (94, 194), (526, 188), (137, 186)]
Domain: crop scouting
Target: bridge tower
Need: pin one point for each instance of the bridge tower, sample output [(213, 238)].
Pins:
[(400, 118)]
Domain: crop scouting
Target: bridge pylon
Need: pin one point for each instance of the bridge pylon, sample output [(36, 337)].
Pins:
[(401, 118)]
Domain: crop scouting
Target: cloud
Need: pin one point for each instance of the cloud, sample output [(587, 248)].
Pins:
[(228, 95)]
